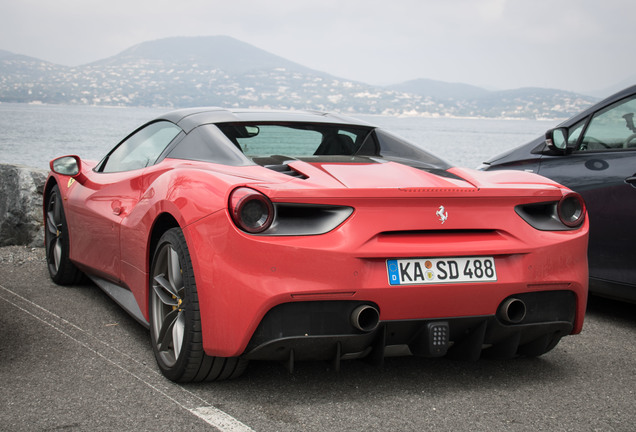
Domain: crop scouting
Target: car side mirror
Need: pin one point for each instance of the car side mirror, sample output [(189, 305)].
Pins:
[(66, 165), (557, 139), (69, 166)]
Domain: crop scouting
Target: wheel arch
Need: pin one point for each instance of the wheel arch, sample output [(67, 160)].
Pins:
[(50, 184), (163, 223)]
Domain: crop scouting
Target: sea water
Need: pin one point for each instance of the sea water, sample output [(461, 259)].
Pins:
[(32, 135)]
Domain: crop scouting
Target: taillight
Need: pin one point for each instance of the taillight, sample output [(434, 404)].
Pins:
[(571, 210), (251, 211), (566, 214)]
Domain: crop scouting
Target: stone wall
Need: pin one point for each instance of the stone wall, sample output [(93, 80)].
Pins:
[(21, 191)]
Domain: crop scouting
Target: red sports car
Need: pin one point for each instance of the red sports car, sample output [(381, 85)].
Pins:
[(289, 236)]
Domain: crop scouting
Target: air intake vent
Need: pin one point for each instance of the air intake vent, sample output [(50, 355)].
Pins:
[(287, 170)]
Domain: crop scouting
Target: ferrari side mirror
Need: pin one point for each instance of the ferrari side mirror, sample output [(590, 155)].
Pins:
[(66, 165)]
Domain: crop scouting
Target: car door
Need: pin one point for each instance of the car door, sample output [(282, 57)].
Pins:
[(602, 168), (99, 205)]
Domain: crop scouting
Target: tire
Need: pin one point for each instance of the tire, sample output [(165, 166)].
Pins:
[(175, 321), (56, 241)]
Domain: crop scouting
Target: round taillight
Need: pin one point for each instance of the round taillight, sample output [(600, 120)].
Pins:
[(571, 210), (251, 211)]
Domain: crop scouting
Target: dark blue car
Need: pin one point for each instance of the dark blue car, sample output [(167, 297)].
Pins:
[(594, 154)]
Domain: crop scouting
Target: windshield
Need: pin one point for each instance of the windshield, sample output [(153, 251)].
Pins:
[(315, 140), (295, 139)]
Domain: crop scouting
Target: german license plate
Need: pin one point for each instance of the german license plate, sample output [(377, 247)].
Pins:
[(417, 271)]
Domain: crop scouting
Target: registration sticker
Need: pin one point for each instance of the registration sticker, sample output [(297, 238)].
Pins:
[(418, 271)]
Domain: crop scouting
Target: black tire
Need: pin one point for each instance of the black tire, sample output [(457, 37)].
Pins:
[(56, 241), (175, 321)]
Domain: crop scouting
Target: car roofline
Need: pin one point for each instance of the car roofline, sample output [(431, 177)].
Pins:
[(189, 118)]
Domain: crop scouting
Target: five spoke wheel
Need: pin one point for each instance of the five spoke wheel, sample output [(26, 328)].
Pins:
[(168, 308), (56, 240)]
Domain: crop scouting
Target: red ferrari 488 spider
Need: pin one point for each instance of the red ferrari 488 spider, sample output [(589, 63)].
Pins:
[(290, 236)]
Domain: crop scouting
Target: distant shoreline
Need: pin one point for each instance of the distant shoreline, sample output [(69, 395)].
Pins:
[(350, 114)]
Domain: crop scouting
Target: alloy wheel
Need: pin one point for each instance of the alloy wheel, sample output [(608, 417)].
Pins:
[(168, 318)]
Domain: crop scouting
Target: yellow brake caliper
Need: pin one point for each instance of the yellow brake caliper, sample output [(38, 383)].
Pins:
[(179, 301)]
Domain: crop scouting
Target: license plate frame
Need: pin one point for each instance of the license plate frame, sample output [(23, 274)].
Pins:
[(446, 270)]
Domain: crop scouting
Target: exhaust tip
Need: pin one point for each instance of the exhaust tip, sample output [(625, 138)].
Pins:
[(512, 311), (365, 318)]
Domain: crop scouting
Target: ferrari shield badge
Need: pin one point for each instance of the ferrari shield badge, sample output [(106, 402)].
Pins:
[(442, 214)]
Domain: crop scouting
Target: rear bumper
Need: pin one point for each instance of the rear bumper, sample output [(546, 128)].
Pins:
[(323, 331)]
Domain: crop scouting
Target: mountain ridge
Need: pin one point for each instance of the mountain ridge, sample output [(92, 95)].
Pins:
[(202, 50), (440, 89), (221, 70)]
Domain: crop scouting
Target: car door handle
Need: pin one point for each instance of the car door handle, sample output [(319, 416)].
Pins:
[(631, 180)]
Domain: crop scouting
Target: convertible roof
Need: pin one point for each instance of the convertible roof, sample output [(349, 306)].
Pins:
[(189, 118)]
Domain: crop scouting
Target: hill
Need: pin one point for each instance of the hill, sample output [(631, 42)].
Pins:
[(211, 52), (439, 89), (220, 70)]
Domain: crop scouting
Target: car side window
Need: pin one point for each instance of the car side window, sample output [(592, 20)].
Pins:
[(140, 149), (611, 128), (575, 133)]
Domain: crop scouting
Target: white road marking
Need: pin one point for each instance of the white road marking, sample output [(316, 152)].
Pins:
[(219, 419), (203, 410)]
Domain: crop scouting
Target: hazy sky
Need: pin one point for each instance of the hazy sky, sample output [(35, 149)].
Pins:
[(577, 45)]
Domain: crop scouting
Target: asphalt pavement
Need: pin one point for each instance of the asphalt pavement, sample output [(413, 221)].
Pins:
[(71, 359)]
